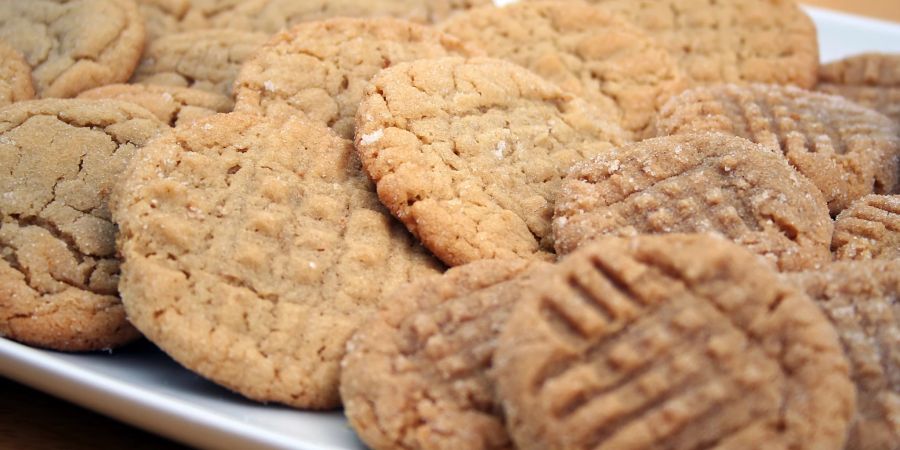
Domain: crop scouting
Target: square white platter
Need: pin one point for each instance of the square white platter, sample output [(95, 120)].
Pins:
[(141, 386)]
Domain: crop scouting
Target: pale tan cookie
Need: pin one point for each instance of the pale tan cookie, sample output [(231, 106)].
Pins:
[(321, 68), (469, 154), (671, 342), (58, 275), (697, 183), (171, 104), (252, 249), (434, 340), (584, 49), (870, 79), (74, 45), (848, 151), (15, 76), (208, 59), (868, 229), (862, 299)]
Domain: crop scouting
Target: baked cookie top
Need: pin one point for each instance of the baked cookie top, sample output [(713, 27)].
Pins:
[(15, 76), (75, 45), (207, 59), (675, 342), (583, 48), (171, 104), (697, 183), (469, 154), (58, 275), (868, 229), (848, 151), (434, 340), (321, 68), (861, 300), (870, 79), (252, 248)]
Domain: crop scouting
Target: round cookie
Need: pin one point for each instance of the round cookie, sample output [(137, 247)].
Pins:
[(75, 45), (697, 183), (848, 151), (171, 104), (584, 49), (861, 299), (670, 342), (869, 79), (434, 340), (252, 248), (208, 59), (59, 269), (868, 229), (15, 77), (321, 68), (469, 154)]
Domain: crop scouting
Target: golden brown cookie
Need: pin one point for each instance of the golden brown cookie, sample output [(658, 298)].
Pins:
[(434, 340), (697, 183), (58, 275), (868, 229), (74, 45), (870, 79), (15, 76), (469, 154), (208, 59), (848, 151), (171, 104), (671, 342), (321, 68), (861, 299), (252, 248), (584, 49)]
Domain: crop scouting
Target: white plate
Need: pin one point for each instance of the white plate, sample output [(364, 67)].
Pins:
[(142, 386)]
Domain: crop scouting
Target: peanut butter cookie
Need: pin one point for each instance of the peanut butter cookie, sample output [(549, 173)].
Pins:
[(59, 269), (671, 342), (868, 229), (15, 76), (870, 79), (469, 154), (171, 104)]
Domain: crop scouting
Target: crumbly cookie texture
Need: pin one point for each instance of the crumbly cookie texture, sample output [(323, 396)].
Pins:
[(848, 151), (75, 45), (321, 68), (208, 59), (675, 342), (59, 270), (434, 340), (870, 79), (868, 229), (469, 154), (15, 76), (697, 183), (583, 48), (861, 299), (252, 249), (171, 104)]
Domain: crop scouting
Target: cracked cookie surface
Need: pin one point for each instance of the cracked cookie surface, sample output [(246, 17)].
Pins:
[(321, 68), (15, 76), (59, 270), (75, 45), (869, 79), (252, 249), (469, 154), (171, 104), (868, 229), (670, 342)]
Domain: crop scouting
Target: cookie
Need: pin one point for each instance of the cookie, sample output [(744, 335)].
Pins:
[(59, 268), (848, 151), (870, 79), (584, 49), (434, 341), (75, 45), (868, 229), (171, 104), (208, 60), (697, 183), (321, 68), (469, 154), (252, 248), (675, 342), (15, 76), (861, 299)]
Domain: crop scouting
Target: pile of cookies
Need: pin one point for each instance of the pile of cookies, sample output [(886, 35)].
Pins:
[(553, 224)]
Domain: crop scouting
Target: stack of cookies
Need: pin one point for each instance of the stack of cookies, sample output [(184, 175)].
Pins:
[(549, 225)]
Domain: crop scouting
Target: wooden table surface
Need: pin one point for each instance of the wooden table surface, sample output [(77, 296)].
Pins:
[(32, 420)]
